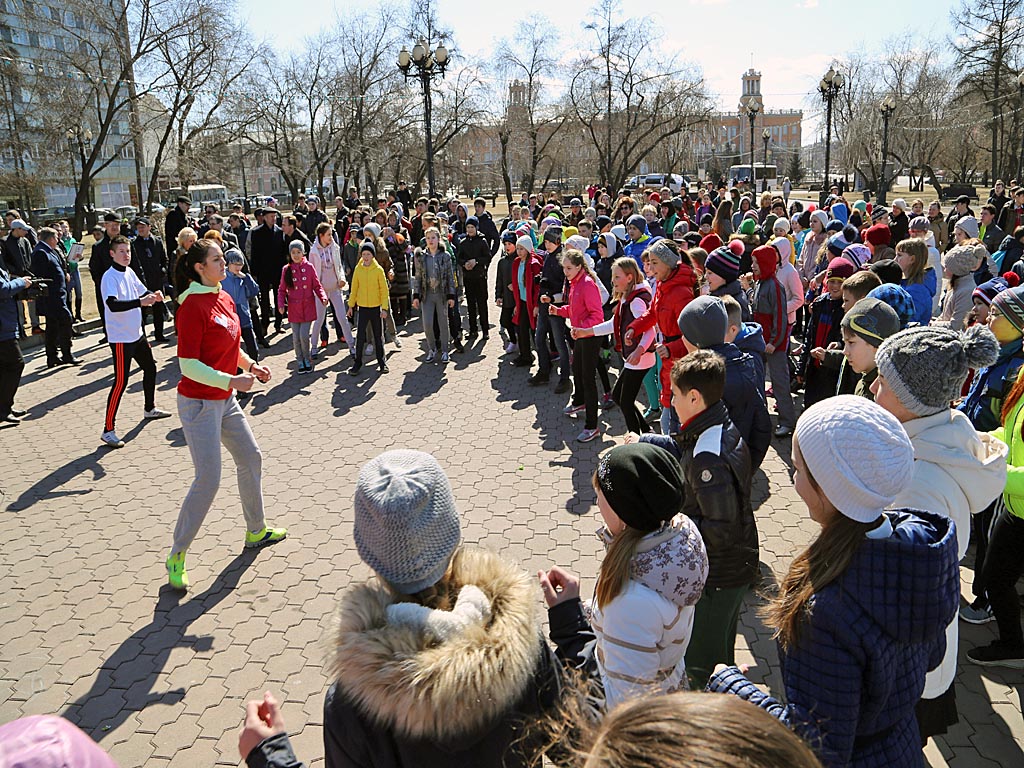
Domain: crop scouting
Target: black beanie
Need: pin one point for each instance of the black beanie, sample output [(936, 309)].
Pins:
[(642, 483), (553, 234)]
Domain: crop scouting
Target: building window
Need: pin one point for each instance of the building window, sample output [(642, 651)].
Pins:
[(5, 34)]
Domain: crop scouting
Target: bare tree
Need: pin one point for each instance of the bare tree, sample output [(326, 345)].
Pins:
[(627, 98)]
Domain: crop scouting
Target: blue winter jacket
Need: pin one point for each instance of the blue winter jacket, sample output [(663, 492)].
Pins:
[(856, 671), (744, 399), (241, 288), (923, 295), (10, 327), (751, 340), (636, 248), (984, 402)]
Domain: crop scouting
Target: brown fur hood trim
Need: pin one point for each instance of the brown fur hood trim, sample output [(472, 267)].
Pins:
[(409, 682)]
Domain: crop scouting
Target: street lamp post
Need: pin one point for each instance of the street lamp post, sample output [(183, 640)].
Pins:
[(752, 110), (427, 64), (831, 83), (1020, 169), (766, 135), (887, 107)]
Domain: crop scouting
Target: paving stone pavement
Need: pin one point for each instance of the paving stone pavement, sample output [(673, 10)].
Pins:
[(91, 632)]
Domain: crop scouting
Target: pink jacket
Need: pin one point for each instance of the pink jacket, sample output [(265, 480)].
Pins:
[(305, 292), (584, 309)]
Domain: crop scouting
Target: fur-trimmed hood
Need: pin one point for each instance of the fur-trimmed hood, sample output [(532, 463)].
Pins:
[(442, 676)]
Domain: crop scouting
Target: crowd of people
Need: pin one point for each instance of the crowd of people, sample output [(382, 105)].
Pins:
[(897, 331)]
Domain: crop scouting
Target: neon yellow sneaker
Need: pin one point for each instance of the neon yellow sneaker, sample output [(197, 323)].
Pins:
[(176, 574), (264, 537)]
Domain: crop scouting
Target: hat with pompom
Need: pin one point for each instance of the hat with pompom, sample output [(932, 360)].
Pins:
[(725, 261), (988, 290), (926, 367)]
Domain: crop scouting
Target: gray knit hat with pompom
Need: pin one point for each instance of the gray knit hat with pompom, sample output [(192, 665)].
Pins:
[(406, 524), (926, 367)]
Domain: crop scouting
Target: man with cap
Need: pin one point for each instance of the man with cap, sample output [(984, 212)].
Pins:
[(866, 325), (314, 217), (899, 222), (100, 259), (17, 260), (149, 260), (267, 255), (575, 212), (177, 218)]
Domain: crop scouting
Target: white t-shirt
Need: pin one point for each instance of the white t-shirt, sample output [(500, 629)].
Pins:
[(122, 327)]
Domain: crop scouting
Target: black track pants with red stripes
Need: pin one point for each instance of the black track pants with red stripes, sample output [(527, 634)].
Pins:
[(140, 352)]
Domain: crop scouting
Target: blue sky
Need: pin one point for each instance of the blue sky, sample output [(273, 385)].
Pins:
[(792, 42)]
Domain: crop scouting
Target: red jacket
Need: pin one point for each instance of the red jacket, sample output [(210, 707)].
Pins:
[(305, 292), (584, 309), (669, 299), (532, 299)]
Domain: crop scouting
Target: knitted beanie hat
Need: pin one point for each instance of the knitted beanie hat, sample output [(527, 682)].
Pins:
[(960, 261), (297, 245), (748, 226), (725, 261), (834, 226), (888, 271), (638, 221), (926, 367), (919, 224), (710, 242), (704, 321), (837, 244), (525, 242), (508, 236), (578, 242), (857, 453), (706, 220), (988, 290), (1010, 304), (969, 225), (900, 203), (367, 245), (820, 216), (406, 524), (879, 213), (839, 268), (553, 234), (872, 320), (661, 251), (878, 234), (902, 303), (858, 254), (642, 483), (373, 228), (782, 223)]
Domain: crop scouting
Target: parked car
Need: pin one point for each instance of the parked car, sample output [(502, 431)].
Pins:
[(127, 212)]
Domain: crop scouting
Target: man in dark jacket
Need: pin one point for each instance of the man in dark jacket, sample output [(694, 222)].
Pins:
[(48, 265), (404, 196), (962, 208), (149, 260), (486, 226), (217, 225), (291, 230), (990, 233), (314, 217), (100, 259), (267, 254), (1012, 214), (17, 254), (716, 464), (12, 363), (474, 257), (177, 218)]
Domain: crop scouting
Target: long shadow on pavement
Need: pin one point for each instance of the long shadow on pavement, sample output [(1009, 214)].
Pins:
[(125, 680)]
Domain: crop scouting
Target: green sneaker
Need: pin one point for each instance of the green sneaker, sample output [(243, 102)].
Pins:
[(176, 574), (264, 537)]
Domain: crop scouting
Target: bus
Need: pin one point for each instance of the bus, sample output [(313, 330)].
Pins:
[(202, 194), (738, 173)]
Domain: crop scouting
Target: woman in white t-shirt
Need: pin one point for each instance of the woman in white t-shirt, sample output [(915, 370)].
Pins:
[(124, 295)]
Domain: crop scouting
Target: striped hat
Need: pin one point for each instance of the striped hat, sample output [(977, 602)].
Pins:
[(1010, 304), (725, 261), (837, 244), (988, 290)]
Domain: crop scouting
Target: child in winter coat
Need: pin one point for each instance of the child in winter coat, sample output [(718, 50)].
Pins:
[(722, 272), (865, 325), (584, 310), (241, 287), (958, 267), (503, 295), (769, 309), (919, 280), (823, 329), (371, 299), (301, 288), (884, 585), (400, 286), (650, 579), (435, 292), (716, 465), (631, 297), (957, 471), (855, 288), (525, 286), (325, 256), (704, 324)]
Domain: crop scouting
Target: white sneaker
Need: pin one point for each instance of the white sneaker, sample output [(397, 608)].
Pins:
[(511, 348), (445, 358), (111, 440), (398, 343), (431, 356), (156, 413)]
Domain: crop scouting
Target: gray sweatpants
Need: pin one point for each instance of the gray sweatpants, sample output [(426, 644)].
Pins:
[(778, 371), (300, 341), (429, 304), (207, 424)]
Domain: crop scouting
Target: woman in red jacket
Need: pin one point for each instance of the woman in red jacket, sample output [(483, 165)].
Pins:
[(525, 268), (584, 310), (677, 279)]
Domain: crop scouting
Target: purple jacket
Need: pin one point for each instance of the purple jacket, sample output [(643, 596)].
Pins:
[(305, 292)]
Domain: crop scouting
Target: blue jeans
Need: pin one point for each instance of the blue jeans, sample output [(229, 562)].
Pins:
[(669, 421), (556, 326)]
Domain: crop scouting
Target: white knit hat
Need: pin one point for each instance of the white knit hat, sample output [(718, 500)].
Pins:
[(406, 525), (857, 453)]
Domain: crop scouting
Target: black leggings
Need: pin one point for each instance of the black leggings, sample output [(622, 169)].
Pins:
[(624, 394), (584, 366), (140, 352), (476, 305), (1003, 568)]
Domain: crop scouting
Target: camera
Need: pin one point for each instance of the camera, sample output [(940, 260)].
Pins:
[(39, 289)]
